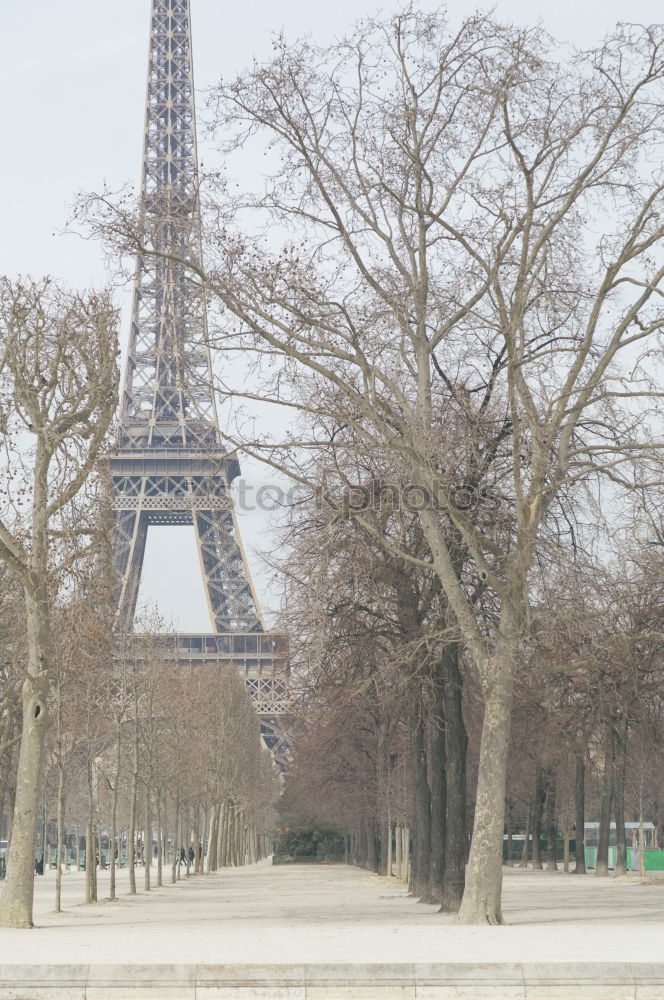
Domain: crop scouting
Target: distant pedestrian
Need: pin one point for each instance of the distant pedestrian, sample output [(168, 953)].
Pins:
[(183, 856), (191, 855)]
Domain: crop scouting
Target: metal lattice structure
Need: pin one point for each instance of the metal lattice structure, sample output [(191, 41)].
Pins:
[(171, 467)]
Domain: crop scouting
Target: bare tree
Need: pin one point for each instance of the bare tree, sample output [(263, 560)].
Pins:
[(58, 388), (443, 257), (443, 189)]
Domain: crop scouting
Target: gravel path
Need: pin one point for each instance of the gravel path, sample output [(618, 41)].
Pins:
[(338, 914)]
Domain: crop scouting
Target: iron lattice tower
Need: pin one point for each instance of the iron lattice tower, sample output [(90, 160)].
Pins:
[(171, 467)]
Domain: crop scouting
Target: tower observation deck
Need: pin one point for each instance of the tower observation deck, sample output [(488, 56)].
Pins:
[(171, 466)]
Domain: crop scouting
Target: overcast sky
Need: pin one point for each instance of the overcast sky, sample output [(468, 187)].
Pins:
[(73, 77)]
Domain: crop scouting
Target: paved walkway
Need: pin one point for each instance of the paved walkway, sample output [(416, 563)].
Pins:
[(295, 914)]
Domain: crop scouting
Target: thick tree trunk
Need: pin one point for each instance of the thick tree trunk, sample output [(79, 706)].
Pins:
[(383, 785), (523, 863), (620, 756), (482, 896), (212, 839), (16, 901), (438, 804), (551, 832), (3, 792), (602, 863), (538, 810), (456, 749), (580, 813), (421, 863), (566, 850), (372, 857)]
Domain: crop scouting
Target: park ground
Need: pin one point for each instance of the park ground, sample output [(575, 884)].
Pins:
[(335, 913)]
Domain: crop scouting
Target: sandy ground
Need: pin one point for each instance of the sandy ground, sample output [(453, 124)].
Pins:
[(336, 913)]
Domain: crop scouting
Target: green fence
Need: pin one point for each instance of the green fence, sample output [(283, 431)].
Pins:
[(654, 861)]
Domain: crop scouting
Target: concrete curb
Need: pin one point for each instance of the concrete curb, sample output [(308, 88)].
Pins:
[(338, 981)]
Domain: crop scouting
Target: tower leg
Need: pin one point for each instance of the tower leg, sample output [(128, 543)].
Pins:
[(131, 535), (230, 594)]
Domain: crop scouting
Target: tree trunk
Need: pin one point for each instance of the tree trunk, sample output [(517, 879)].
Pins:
[(197, 841), (406, 854), (523, 863), (580, 813), (147, 837), (212, 839), (481, 902), (178, 839), (398, 850), (456, 749), (620, 756), (421, 864), (90, 844), (16, 901), (88, 862), (187, 837), (131, 833), (438, 803), (227, 833), (61, 838), (175, 860), (372, 859), (3, 792), (602, 863), (224, 835), (551, 832), (160, 844), (114, 817), (538, 809)]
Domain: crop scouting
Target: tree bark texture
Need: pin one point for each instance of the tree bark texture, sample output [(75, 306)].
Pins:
[(421, 834), (620, 757), (438, 798), (456, 750), (551, 832), (16, 901), (580, 813), (538, 811), (482, 896), (606, 798)]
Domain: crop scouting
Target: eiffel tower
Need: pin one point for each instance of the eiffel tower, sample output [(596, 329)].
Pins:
[(171, 467)]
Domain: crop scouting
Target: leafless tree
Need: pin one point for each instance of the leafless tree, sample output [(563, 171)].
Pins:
[(437, 194), (58, 394)]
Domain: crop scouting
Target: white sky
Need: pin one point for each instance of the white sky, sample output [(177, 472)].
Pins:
[(73, 77)]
